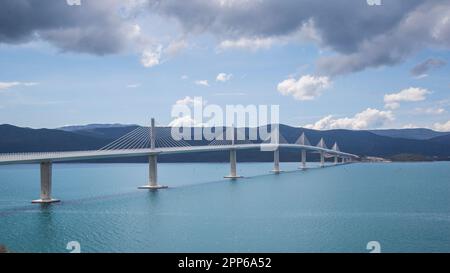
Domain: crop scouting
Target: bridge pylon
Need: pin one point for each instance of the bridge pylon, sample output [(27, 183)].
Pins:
[(276, 161), (303, 140), (303, 154), (233, 160), (46, 184), (153, 163)]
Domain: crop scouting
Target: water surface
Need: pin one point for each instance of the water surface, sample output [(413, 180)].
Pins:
[(404, 206)]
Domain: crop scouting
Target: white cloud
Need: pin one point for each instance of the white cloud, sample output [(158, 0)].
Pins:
[(184, 121), (175, 47), (8, 85), (430, 111), (188, 101), (443, 127), (29, 83), (223, 77), (133, 85), (412, 94), (151, 57), (184, 77), (202, 82), (410, 126), (367, 119), (306, 32), (248, 43), (308, 87)]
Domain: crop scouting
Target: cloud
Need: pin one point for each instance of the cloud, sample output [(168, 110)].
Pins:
[(443, 127), (410, 126), (184, 121), (133, 85), (151, 57), (175, 47), (223, 77), (392, 101), (364, 36), (202, 82), (307, 87), (184, 77), (361, 36), (188, 101), (367, 119), (430, 110), (418, 27), (95, 27), (8, 85), (423, 68), (253, 43)]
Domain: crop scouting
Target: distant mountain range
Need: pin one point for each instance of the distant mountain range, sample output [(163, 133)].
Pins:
[(73, 128), (423, 144), (414, 133)]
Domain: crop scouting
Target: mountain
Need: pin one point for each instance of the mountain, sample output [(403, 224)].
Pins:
[(106, 133), (364, 143), (72, 128), (17, 139), (413, 133)]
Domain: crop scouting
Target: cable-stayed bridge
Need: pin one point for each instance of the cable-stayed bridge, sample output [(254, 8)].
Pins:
[(143, 141)]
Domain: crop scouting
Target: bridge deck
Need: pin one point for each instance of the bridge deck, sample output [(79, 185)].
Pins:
[(20, 158)]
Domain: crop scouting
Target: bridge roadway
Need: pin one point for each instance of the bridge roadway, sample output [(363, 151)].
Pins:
[(22, 158)]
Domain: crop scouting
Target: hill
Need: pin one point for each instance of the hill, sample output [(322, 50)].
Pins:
[(414, 133)]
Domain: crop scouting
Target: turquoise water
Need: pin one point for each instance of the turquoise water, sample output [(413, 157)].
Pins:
[(404, 206)]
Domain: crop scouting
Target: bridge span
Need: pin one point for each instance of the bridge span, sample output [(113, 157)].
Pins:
[(143, 142)]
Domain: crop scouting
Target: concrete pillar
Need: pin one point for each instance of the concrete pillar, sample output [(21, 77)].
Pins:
[(322, 159), (153, 170), (46, 184), (336, 160), (152, 134), (233, 172), (153, 163), (303, 160), (153, 174), (276, 161)]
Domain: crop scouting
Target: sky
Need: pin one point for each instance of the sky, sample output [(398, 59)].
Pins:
[(327, 64)]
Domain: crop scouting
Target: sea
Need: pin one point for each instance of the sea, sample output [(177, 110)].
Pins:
[(359, 207)]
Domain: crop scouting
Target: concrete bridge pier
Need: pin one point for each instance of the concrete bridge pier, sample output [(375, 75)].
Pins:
[(322, 159), (153, 175), (336, 160), (233, 171), (303, 159), (153, 163), (276, 161), (46, 184)]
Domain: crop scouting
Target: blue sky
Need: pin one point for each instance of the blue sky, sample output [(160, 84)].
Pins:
[(50, 79)]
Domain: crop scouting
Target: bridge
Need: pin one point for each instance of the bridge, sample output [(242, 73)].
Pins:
[(143, 141)]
